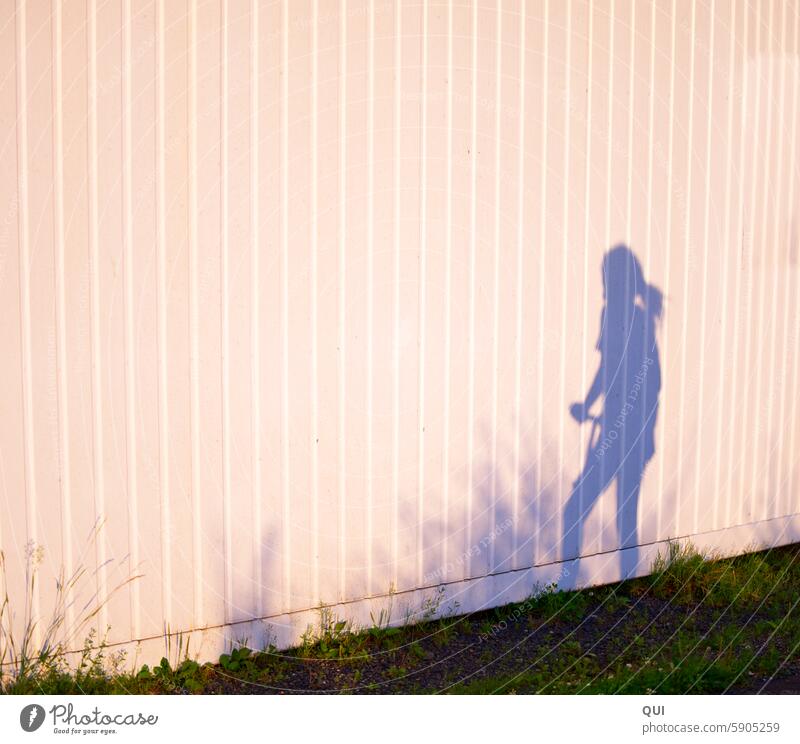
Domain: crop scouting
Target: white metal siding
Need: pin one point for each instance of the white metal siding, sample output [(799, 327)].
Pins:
[(295, 295)]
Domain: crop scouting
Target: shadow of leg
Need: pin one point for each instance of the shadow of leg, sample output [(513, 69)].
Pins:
[(571, 534), (585, 491), (628, 485)]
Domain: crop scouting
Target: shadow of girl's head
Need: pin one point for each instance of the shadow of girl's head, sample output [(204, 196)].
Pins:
[(624, 282)]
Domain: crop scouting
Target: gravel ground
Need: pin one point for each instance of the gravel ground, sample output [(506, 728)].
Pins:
[(598, 642)]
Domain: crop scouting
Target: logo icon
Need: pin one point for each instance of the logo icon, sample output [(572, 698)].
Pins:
[(31, 717)]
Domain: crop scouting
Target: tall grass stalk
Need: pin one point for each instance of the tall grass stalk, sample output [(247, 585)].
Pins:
[(38, 643)]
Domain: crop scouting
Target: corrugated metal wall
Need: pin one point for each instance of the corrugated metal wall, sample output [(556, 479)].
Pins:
[(294, 296)]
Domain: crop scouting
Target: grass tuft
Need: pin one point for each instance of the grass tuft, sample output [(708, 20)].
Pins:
[(34, 648)]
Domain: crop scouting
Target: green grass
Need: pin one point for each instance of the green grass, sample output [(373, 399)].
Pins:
[(696, 625), (33, 647), (711, 660)]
